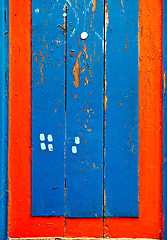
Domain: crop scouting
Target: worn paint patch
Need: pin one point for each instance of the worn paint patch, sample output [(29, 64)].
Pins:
[(106, 16), (164, 82), (94, 2), (76, 70), (122, 3)]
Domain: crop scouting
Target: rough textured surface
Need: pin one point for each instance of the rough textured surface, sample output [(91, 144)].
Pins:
[(48, 107), (121, 112), (164, 118), (21, 223), (4, 73), (84, 169)]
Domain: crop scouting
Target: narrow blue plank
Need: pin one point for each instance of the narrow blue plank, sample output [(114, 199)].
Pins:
[(121, 162), (48, 107), (84, 156), (3, 117), (165, 118)]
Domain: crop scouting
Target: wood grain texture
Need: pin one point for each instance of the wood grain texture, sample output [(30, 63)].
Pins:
[(150, 122), (20, 221), (48, 107), (84, 152), (121, 111)]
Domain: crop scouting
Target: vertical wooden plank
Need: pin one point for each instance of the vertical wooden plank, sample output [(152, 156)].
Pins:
[(121, 163), (20, 222), (84, 160), (164, 119), (148, 224), (3, 116), (48, 107)]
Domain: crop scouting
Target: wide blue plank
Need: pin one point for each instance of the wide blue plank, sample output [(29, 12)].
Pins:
[(84, 142), (48, 107), (164, 118), (4, 64), (121, 159)]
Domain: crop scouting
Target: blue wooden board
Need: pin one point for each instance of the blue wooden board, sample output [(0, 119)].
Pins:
[(48, 107), (84, 155), (3, 117), (121, 159), (165, 118)]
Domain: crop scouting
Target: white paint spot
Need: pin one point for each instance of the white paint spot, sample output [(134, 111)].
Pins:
[(77, 140), (43, 147), (74, 149), (50, 138), (42, 137), (50, 147), (64, 15), (37, 10), (84, 35)]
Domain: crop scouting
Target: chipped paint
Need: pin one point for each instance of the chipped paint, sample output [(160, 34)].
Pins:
[(84, 50), (105, 102), (122, 3), (126, 42), (106, 16), (76, 70), (39, 227), (94, 2), (164, 82), (86, 82)]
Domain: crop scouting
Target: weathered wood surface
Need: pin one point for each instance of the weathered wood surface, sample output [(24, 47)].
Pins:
[(121, 109), (164, 118), (4, 74), (84, 152), (48, 107), (77, 118), (21, 223)]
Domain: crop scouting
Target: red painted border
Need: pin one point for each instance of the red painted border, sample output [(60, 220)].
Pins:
[(148, 225)]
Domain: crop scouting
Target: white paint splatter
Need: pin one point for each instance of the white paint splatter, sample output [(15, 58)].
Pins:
[(43, 147), (74, 149), (50, 138), (77, 140), (64, 15), (84, 35), (50, 147), (37, 10), (42, 137)]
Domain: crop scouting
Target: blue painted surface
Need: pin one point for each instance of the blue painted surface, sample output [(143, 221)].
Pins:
[(121, 162), (48, 106), (74, 123), (3, 117), (165, 119), (84, 168)]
